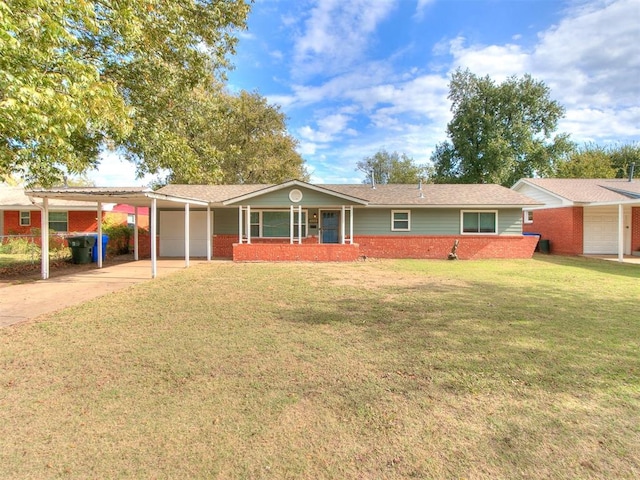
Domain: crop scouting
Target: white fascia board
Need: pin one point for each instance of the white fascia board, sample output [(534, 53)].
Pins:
[(465, 205), (632, 202), (182, 200)]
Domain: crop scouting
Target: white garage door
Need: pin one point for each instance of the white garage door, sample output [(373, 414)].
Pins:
[(171, 229), (601, 230)]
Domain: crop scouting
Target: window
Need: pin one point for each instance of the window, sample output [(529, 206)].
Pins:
[(479, 222), (58, 221), (276, 224), (400, 220), (528, 216), (25, 219)]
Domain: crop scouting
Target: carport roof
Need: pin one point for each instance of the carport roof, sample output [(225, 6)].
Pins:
[(135, 196)]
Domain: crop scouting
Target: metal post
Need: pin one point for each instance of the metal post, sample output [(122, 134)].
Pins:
[(187, 240), (44, 239), (99, 239), (136, 255), (209, 233), (291, 224), (154, 253)]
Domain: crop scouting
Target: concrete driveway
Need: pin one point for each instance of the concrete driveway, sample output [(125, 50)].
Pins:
[(25, 301)]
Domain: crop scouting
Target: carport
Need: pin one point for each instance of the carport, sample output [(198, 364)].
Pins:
[(136, 197)]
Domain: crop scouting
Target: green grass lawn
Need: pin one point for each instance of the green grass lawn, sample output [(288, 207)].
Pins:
[(368, 370)]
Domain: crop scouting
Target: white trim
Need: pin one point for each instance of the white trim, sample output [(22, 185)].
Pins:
[(293, 183), (295, 195), (495, 225), (153, 232), (187, 234), (99, 238), (20, 219), (209, 233), (393, 220), (136, 243), (525, 216)]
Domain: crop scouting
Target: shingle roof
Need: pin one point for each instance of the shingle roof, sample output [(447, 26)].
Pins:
[(591, 190), (387, 195)]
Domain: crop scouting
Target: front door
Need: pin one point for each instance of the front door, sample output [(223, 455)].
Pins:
[(330, 220)]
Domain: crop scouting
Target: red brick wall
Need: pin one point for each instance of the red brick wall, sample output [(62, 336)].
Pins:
[(635, 229), (306, 252), (78, 221), (563, 227), (434, 247)]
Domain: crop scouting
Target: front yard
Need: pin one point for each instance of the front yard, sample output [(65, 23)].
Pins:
[(371, 370)]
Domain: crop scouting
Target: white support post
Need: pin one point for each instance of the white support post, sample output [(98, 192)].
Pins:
[(44, 238), (299, 224), (99, 239), (209, 233), (240, 224), (187, 239), (248, 227), (291, 224), (154, 227), (620, 233), (136, 255), (342, 225), (351, 224)]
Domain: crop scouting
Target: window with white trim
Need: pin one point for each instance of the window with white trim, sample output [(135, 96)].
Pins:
[(25, 218), (479, 221), (400, 220), (528, 216), (276, 223), (58, 221)]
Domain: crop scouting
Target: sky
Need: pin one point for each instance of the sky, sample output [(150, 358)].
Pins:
[(354, 77)]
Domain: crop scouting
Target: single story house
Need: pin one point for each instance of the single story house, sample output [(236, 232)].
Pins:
[(299, 221), (584, 216), (302, 221)]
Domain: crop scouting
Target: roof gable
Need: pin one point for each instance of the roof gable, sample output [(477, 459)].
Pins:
[(296, 184), (583, 191)]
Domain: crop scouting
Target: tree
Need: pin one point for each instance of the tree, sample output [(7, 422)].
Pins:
[(391, 168), (499, 133), (596, 161), (227, 138), (77, 75)]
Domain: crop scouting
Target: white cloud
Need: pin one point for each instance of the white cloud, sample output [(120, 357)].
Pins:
[(589, 60), (116, 171), (336, 34)]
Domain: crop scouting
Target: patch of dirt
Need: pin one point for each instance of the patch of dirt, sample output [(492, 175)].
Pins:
[(27, 272)]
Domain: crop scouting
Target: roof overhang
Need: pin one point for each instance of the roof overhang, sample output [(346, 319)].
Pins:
[(134, 197), (294, 183)]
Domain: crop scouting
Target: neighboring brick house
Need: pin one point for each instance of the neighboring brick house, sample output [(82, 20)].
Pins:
[(584, 216), (20, 216)]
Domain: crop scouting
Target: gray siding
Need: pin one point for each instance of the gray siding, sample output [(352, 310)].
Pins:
[(280, 198), (436, 221), (377, 221)]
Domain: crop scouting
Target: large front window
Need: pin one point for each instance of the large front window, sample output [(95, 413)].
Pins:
[(479, 222), (58, 221), (276, 224)]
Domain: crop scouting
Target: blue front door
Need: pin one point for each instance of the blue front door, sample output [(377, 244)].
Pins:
[(329, 226)]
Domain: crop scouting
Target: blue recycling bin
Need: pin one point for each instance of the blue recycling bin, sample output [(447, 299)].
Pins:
[(94, 249)]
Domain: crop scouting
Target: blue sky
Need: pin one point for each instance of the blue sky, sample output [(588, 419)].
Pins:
[(357, 76)]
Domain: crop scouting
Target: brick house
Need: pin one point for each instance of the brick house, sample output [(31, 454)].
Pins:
[(584, 216), (20, 216), (301, 221)]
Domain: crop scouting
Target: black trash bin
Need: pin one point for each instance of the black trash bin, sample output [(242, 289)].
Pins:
[(80, 246), (545, 246)]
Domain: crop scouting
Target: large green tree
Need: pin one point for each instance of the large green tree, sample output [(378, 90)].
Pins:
[(598, 161), (78, 74), (234, 138), (393, 167), (499, 132)]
